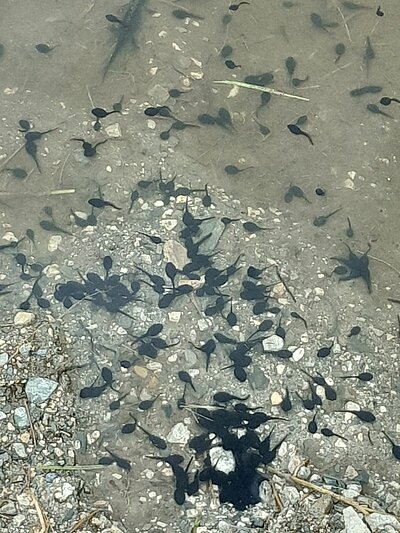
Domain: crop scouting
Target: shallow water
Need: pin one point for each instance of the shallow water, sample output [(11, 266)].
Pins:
[(353, 158)]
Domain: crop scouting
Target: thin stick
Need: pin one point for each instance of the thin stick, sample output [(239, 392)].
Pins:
[(383, 262), (62, 169), (277, 498), (261, 89), (69, 468), (89, 96), (316, 488), (43, 522), (284, 284), (85, 519), (33, 433), (345, 23), (11, 156), (38, 195)]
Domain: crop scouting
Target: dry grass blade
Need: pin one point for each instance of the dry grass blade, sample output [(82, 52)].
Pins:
[(69, 468), (261, 89), (44, 523), (316, 488), (85, 520), (32, 428)]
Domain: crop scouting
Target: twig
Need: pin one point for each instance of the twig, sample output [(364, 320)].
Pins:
[(261, 89), (284, 284), (383, 262), (44, 524), (39, 195), (345, 23), (11, 156), (63, 168), (69, 468), (276, 496), (86, 519), (33, 433), (316, 488), (89, 96)]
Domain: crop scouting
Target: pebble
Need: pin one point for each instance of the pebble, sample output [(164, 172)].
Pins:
[(265, 492), (351, 472), (113, 130), (168, 223), (21, 418), (298, 354), (159, 93), (64, 492), (3, 358), (352, 522), (179, 434), (276, 398), (174, 316), (289, 495), (258, 379), (273, 343), (175, 253), (322, 506), (38, 390), (54, 243), (24, 318), (213, 227), (19, 450), (382, 522), (9, 509), (222, 460), (140, 371)]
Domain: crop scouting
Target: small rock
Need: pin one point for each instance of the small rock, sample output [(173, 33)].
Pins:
[(213, 227), (159, 94), (276, 398), (351, 472), (352, 522), (24, 318), (266, 493), (222, 460), (273, 343), (38, 390), (21, 419), (379, 522), (54, 243), (258, 379), (19, 450), (179, 434), (64, 492), (8, 509), (113, 130), (289, 495), (140, 371), (298, 354), (175, 253), (322, 506), (3, 358)]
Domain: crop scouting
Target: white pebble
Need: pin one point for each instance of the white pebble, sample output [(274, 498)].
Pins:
[(298, 354)]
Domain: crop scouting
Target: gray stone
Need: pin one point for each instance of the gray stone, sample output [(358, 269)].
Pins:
[(3, 358), (175, 253), (160, 94), (258, 379), (38, 390), (222, 460), (19, 450), (352, 522), (215, 228), (21, 419), (289, 495), (24, 318), (322, 506), (190, 357), (273, 343), (380, 522), (179, 434), (266, 494), (8, 509), (42, 352)]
